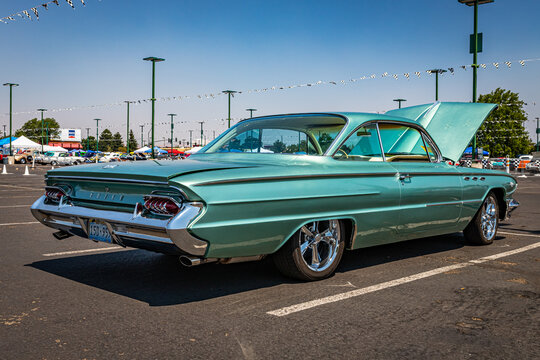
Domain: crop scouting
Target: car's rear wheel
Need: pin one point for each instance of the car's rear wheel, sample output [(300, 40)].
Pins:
[(483, 227), (22, 161), (313, 252), (54, 163)]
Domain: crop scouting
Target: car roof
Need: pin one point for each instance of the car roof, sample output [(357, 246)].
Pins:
[(354, 118)]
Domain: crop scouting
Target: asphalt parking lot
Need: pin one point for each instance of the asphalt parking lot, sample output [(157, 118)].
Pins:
[(428, 298)]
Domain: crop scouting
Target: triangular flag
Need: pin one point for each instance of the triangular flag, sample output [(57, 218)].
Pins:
[(70, 2), (35, 13)]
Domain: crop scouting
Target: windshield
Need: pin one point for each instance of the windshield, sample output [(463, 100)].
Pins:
[(292, 134)]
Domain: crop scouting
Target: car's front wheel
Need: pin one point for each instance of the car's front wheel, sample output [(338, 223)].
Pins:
[(313, 252), (23, 161), (483, 227), (54, 163)]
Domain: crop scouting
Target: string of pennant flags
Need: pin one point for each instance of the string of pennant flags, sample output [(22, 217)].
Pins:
[(27, 14), (407, 75)]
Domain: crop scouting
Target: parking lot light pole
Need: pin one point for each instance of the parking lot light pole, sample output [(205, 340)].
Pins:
[(475, 3), (537, 133), (154, 60), (87, 139), (97, 135), (142, 134), (127, 128), (436, 72), (230, 93), (172, 130), (42, 110), (251, 112), (202, 133), (399, 101), (11, 85)]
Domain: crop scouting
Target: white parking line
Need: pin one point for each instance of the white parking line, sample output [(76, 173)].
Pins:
[(10, 206), (84, 251), (22, 223), (349, 294), (509, 233)]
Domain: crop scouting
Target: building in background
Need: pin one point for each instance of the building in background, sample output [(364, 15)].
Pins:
[(69, 139)]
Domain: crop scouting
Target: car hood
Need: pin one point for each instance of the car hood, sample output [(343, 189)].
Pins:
[(149, 170), (451, 125)]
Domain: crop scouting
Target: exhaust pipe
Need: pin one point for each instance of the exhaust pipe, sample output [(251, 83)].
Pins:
[(61, 235), (190, 261)]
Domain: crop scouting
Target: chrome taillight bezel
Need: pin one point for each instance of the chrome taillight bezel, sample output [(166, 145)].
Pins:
[(55, 193), (156, 204)]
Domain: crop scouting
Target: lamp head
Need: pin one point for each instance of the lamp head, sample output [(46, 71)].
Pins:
[(153, 59), (471, 2)]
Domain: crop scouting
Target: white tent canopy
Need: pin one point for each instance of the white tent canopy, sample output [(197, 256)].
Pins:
[(54, 148), (141, 150), (24, 143)]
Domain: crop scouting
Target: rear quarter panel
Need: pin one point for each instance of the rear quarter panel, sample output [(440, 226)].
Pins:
[(255, 216)]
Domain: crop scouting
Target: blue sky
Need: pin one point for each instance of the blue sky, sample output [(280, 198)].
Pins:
[(93, 55)]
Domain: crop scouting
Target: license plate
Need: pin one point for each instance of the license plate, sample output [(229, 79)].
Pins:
[(99, 232)]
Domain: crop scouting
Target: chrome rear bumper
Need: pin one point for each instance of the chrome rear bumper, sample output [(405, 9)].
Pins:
[(126, 229)]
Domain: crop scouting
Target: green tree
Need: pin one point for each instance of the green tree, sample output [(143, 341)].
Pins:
[(105, 140), (132, 141), (91, 141), (278, 146), (503, 132), (117, 142), (324, 141), (32, 129)]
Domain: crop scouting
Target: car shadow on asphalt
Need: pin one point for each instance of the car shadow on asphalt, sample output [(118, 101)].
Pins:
[(161, 280), (522, 228)]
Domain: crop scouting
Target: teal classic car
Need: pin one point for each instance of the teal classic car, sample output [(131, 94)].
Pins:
[(300, 188)]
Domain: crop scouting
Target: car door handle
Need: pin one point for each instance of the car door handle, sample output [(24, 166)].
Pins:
[(404, 176)]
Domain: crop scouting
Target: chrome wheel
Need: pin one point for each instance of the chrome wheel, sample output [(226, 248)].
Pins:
[(320, 242), (488, 218)]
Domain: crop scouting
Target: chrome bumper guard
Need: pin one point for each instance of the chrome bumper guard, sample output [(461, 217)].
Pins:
[(125, 227), (511, 205)]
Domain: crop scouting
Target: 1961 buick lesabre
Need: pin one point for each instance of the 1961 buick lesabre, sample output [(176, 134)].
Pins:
[(301, 188)]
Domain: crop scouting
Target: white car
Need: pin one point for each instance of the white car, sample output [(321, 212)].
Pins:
[(60, 158)]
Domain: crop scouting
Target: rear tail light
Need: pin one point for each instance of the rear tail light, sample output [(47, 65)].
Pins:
[(162, 205), (54, 194)]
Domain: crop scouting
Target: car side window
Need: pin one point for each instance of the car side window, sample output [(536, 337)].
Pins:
[(361, 145), (404, 143)]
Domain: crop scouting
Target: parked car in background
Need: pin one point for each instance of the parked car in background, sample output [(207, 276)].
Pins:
[(533, 165), (60, 158), (139, 156), (326, 182), (24, 157)]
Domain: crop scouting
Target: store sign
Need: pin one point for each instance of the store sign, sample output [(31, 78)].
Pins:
[(69, 135)]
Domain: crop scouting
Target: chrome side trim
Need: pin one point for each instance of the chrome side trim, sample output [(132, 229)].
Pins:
[(454, 203), (294, 177)]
